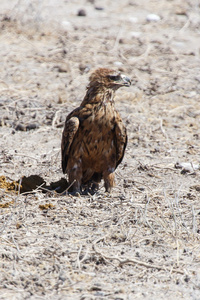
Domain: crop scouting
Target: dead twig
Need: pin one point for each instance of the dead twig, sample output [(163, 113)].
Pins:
[(135, 261), (67, 189)]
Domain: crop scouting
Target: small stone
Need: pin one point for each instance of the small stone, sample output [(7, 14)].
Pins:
[(181, 11), (99, 8), (118, 63), (187, 167), (62, 69), (121, 41), (136, 34), (20, 127), (84, 68), (133, 19), (66, 25), (81, 13), (152, 18), (32, 126)]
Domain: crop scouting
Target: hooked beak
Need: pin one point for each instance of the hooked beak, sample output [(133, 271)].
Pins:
[(125, 81)]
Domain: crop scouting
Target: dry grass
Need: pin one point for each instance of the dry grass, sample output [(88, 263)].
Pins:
[(142, 241)]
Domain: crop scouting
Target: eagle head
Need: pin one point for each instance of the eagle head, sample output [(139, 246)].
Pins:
[(107, 78)]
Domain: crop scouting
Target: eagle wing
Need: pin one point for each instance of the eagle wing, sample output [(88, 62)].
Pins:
[(121, 139), (70, 129)]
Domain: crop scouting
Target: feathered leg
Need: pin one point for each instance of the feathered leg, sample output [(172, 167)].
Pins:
[(75, 177), (109, 181)]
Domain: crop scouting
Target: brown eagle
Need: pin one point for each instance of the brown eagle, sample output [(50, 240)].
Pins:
[(94, 138)]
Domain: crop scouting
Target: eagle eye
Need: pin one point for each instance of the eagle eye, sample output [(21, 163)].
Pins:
[(115, 77)]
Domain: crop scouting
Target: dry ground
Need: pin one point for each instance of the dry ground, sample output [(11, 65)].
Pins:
[(143, 240)]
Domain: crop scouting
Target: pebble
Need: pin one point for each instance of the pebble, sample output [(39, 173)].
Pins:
[(66, 25), (188, 167), (118, 63), (84, 68), (135, 34), (152, 18), (81, 13), (133, 19), (32, 126), (22, 127), (99, 8)]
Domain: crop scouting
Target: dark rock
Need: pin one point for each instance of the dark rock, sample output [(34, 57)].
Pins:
[(32, 126), (20, 127), (81, 13)]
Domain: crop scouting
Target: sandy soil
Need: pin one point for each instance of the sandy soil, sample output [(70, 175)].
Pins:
[(143, 240)]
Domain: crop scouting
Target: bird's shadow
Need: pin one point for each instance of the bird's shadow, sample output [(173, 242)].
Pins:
[(34, 183)]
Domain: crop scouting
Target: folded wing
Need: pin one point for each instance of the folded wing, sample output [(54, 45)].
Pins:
[(121, 139), (69, 132)]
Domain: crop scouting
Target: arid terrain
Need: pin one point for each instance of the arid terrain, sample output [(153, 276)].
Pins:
[(142, 241)]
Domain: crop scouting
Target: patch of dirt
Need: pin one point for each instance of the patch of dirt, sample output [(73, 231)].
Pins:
[(143, 240)]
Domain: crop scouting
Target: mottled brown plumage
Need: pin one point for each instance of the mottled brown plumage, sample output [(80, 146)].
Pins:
[(94, 138)]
